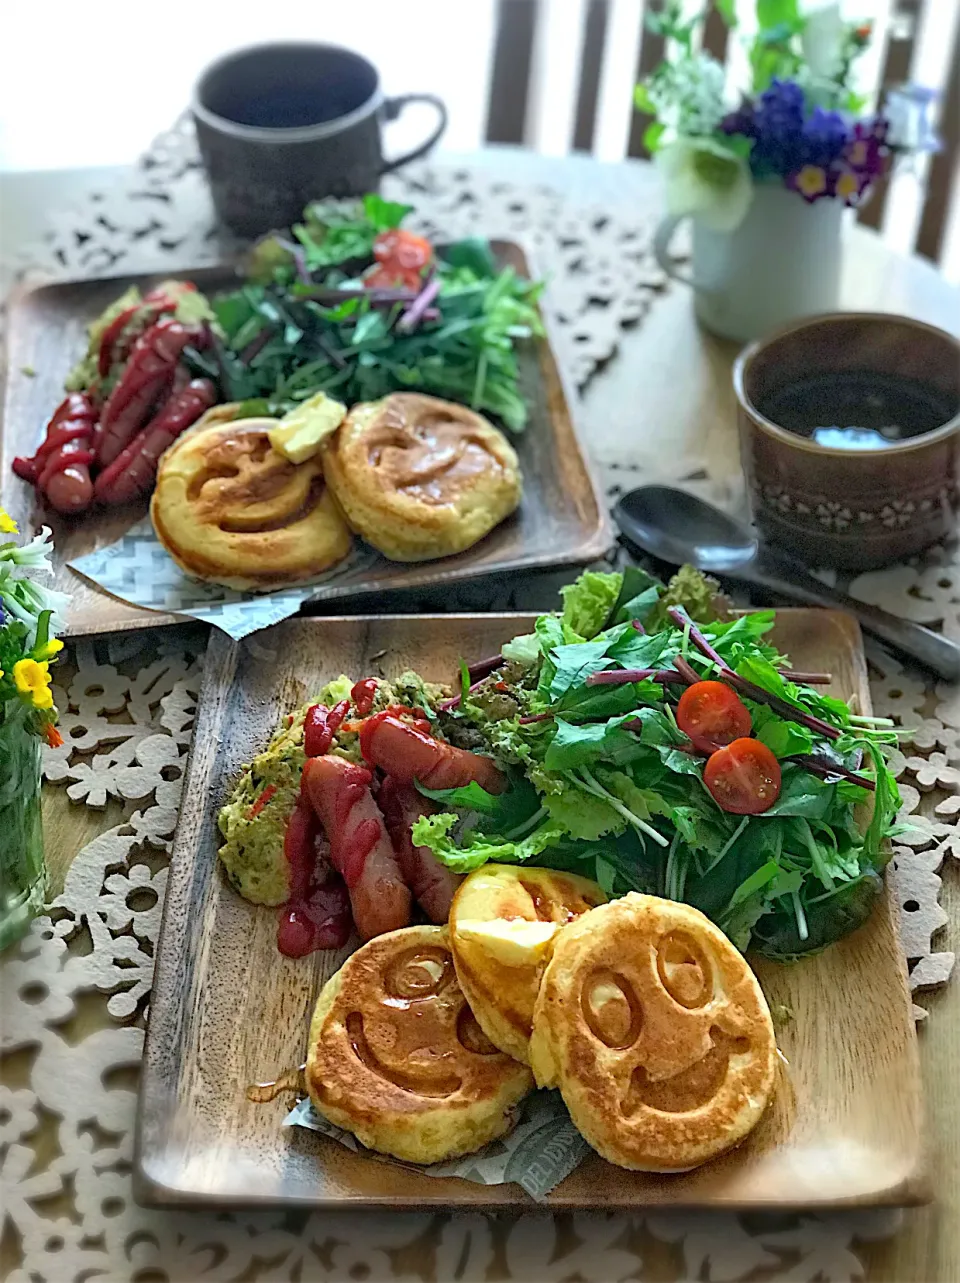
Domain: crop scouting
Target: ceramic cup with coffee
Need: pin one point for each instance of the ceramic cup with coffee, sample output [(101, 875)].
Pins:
[(279, 125), (850, 437)]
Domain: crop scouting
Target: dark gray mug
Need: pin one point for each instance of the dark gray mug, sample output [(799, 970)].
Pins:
[(280, 125)]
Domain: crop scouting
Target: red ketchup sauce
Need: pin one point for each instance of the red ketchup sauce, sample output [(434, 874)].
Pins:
[(363, 694), (320, 725), (356, 781), (361, 843), (317, 915)]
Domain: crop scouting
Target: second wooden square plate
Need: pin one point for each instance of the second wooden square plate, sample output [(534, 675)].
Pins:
[(228, 1010), (561, 520)]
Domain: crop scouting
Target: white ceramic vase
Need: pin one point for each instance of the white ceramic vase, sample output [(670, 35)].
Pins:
[(782, 263)]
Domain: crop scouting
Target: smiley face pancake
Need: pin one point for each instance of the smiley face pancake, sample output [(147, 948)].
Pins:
[(657, 1034), (229, 509), (397, 1058), (504, 922), (419, 478)]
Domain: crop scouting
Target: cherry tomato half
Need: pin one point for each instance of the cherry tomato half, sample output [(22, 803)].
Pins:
[(711, 714), (743, 777), (384, 245), (405, 249), (389, 276)]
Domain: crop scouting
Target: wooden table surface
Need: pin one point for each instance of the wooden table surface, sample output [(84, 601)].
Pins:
[(665, 402)]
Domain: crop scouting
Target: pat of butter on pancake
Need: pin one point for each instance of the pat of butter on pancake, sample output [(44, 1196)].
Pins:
[(299, 435), (514, 942)]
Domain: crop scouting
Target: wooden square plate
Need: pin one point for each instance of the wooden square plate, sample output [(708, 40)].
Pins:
[(228, 1010), (561, 520)]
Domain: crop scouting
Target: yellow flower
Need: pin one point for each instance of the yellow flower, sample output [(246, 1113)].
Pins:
[(811, 181), (53, 647), (7, 524), (33, 679), (848, 185)]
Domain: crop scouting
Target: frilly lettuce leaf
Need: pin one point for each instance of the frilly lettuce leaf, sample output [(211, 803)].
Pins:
[(473, 849), (582, 816), (524, 650), (588, 603), (692, 590), (337, 690)]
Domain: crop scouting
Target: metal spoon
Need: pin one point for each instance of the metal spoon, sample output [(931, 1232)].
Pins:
[(677, 527)]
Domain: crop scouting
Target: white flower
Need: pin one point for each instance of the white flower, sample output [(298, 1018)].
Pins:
[(35, 555), (706, 180), (20, 596), (689, 95), (822, 40)]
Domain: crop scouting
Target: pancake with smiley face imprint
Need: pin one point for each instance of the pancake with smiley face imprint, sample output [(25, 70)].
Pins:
[(657, 1033), (504, 921), (397, 1058), (421, 478), (229, 509)]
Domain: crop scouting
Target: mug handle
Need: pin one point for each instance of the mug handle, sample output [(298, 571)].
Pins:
[(661, 251), (393, 108), (670, 262)]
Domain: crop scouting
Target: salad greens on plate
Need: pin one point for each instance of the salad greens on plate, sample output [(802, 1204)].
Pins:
[(655, 746), (349, 303)]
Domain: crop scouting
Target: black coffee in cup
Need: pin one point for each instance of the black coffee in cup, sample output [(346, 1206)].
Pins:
[(858, 409)]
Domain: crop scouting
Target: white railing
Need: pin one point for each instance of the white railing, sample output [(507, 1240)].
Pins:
[(554, 90)]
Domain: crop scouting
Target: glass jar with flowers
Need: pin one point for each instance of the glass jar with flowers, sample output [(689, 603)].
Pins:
[(29, 615), (766, 163)]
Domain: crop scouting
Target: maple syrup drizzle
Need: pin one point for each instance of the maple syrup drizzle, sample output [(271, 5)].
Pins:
[(290, 1081)]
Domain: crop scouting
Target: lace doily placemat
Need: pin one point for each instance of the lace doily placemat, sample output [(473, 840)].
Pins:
[(76, 992)]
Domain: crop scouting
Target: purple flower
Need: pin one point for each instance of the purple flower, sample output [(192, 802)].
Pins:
[(818, 152), (783, 100), (866, 151), (742, 121), (778, 130), (825, 134)]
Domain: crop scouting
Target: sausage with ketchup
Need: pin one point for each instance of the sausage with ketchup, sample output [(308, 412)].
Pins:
[(360, 847), (134, 470), (60, 469), (409, 754), (431, 882)]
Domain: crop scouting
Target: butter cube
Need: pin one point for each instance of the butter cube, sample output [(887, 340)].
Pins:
[(513, 941), (299, 434)]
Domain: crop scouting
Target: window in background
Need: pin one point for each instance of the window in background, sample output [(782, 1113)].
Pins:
[(102, 79)]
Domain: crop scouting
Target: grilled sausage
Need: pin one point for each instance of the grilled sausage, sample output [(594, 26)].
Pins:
[(409, 754), (360, 847), (431, 882)]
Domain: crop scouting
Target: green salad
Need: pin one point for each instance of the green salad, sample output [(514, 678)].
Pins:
[(656, 746), (350, 303)]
